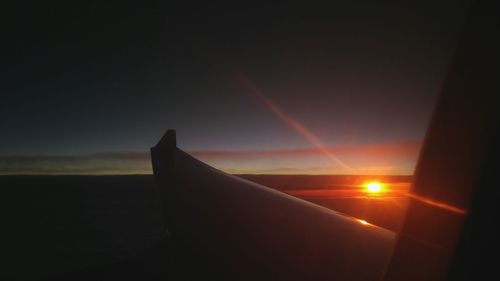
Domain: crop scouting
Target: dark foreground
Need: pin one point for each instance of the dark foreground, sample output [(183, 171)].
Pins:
[(109, 227), (83, 228)]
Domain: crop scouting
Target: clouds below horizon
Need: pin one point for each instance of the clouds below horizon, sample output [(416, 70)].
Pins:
[(398, 158), (114, 163)]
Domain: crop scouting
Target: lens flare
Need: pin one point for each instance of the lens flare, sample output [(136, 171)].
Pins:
[(293, 123)]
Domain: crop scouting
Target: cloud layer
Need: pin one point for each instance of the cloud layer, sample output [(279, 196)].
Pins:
[(397, 158), (92, 164)]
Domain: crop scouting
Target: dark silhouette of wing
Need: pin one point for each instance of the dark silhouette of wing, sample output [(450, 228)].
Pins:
[(225, 227)]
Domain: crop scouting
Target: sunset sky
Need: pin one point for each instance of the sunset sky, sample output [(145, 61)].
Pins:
[(88, 88)]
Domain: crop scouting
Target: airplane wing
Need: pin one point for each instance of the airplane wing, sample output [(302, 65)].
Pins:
[(225, 227)]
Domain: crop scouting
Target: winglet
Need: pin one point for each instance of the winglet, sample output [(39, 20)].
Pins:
[(162, 153), (163, 158), (168, 141)]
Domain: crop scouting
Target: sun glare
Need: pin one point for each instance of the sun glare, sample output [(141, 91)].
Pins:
[(373, 187), (363, 222)]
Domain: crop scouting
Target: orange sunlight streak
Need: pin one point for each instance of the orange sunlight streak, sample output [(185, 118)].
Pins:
[(296, 125), (438, 204)]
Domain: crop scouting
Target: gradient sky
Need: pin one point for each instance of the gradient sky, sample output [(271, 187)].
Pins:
[(88, 87)]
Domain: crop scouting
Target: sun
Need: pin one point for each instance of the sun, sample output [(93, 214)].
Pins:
[(373, 187)]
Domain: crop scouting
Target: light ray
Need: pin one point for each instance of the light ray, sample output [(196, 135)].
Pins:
[(438, 204), (292, 122)]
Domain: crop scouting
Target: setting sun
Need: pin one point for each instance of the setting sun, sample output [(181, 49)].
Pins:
[(373, 187)]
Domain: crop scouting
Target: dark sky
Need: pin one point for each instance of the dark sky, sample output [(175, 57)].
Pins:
[(88, 87)]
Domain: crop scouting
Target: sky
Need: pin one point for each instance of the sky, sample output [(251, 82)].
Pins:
[(274, 88)]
